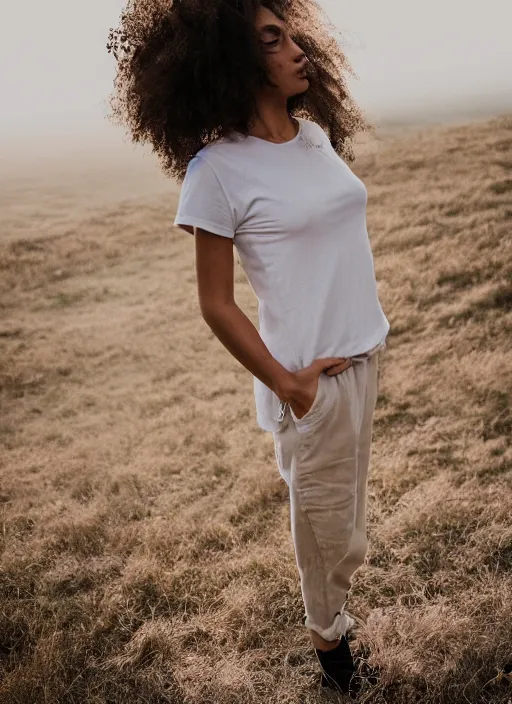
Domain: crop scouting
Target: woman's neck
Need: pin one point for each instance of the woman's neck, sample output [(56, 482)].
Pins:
[(273, 123)]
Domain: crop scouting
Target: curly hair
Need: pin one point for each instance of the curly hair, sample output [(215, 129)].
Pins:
[(188, 72)]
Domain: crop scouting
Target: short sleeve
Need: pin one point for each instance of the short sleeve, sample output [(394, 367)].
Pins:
[(203, 201)]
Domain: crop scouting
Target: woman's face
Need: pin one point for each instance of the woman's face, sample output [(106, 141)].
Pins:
[(286, 61)]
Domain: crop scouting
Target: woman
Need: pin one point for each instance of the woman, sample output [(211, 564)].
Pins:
[(232, 95)]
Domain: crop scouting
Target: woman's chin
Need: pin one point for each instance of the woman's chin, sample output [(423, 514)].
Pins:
[(302, 86)]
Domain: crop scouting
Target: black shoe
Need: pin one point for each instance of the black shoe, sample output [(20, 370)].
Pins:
[(338, 668)]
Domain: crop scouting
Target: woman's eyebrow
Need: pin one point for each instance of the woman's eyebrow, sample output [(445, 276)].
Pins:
[(270, 28)]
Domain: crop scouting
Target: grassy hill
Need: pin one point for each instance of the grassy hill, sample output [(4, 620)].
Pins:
[(145, 553)]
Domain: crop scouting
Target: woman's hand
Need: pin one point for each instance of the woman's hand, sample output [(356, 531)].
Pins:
[(302, 394)]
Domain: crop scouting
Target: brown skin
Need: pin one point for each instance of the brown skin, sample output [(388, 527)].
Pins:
[(285, 63), (214, 254)]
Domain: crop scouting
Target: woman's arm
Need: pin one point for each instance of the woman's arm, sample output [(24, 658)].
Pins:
[(215, 280)]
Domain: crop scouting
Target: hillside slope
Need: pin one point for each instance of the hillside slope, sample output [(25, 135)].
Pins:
[(145, 546)]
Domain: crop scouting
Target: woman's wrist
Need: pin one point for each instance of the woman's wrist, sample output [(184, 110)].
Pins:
[(285, 386)]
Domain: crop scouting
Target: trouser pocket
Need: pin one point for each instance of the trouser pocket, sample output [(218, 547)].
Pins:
[(325, 476), (321, 404)]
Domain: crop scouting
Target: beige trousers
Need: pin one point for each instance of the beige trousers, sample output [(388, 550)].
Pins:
[(324, 458)]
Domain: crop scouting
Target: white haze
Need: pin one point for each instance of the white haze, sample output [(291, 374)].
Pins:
[(413, 60)]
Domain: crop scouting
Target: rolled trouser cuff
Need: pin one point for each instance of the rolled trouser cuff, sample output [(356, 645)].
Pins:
[(341, 624)]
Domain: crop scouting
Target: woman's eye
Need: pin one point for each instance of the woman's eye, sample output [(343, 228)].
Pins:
[(272, 43)]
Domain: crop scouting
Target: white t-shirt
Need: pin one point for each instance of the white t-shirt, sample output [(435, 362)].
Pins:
[(297, 214)]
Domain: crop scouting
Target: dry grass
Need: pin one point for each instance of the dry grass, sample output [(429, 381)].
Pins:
[(145, 547)]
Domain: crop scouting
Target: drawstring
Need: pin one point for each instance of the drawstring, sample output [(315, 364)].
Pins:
[(365, 355)]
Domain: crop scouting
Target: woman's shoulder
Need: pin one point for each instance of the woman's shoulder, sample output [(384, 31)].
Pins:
[(223, 161), (312, 127), (229, 157), (223, 144), (313, 134)]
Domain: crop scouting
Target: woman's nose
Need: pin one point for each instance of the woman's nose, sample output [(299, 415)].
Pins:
[(300, 55)]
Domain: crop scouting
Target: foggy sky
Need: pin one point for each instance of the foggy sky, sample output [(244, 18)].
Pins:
[(54, 68)]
